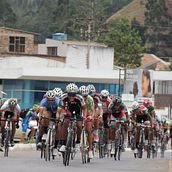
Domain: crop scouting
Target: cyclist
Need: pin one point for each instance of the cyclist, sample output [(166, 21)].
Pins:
[(90, 115), (12, 108), (164, 132), (105, 101), (165, 125), (48, 109), (152, 118), (98, 111), (117, 109), (31, 114), (139, 113), (71, 103)]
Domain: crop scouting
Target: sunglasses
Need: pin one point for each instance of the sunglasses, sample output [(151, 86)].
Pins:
[(71, 94), (50, 100), (103, 97)]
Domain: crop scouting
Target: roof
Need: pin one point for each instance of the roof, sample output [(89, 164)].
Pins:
[(75, 42), (150, 61), (36, 68), (18, 30)]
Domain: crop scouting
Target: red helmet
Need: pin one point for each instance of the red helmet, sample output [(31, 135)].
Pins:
[(143, 109)]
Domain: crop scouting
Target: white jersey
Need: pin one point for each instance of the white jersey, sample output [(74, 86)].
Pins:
[(5, 107)]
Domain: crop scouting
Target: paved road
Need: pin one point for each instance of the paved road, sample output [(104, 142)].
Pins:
[(29, 161)]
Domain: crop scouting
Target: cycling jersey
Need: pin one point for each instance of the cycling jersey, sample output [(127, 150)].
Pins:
[(105, 105), (50, 107), (5, 107), (89, 103), (25, 122), (116, 112), (150, 109), (72, 106)]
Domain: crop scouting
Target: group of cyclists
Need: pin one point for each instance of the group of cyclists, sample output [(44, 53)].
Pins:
[(93, 110)]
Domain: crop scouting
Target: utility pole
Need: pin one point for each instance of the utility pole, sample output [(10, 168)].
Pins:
[(88, 45), (87, 34)]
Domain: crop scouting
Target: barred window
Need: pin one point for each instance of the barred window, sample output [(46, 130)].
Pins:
[(16, 44)]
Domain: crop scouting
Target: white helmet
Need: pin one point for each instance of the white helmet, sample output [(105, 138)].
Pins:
[(104, 93), (135, 105), (84, 90), (58, 92), (72, 88), (91, 88), (12, 102), (50, 94)]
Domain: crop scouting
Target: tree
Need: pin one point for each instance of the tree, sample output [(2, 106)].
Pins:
[(126, 42), (127, 45), (7, 16), (170, 66), (159, 26)]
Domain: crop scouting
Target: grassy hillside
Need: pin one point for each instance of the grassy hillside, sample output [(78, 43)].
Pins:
[(133, 10)]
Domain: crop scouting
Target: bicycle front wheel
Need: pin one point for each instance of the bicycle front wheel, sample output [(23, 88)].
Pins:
[(48, 147), (6, 143), (66, 157)]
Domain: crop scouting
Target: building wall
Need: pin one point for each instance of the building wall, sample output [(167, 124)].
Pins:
[(29, 92), (4, 40), (61, 47), (100, 57)]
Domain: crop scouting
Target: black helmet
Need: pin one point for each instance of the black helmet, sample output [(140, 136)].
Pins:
[(117, 101)]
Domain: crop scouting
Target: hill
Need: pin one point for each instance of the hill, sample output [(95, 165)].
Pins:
[(135, 9)]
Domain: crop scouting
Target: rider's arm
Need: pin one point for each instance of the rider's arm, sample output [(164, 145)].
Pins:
[(84, 110)]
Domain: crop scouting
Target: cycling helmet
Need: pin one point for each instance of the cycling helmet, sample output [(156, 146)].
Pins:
[(58, 92), (84, 90), (72, 88), (12, 102), (135, 105), (35, 107), (147, 102), (104, 93), (143, 109), (91, 88), (117, 101), (50, 94)]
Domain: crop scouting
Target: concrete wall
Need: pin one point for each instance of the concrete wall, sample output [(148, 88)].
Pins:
[(100, 57), (4, 40)]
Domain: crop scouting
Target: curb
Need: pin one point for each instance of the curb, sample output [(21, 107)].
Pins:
[(22, 147)]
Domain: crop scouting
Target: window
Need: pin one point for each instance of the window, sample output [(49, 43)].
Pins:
[(52, 51), (16, 44)]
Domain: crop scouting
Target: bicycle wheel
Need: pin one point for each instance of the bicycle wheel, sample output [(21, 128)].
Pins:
[(120, 147), (43, 150), (162, 150), (83, 147), (101, 144), (6, 142), (48, 146), (148, 150), (67, 153)]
